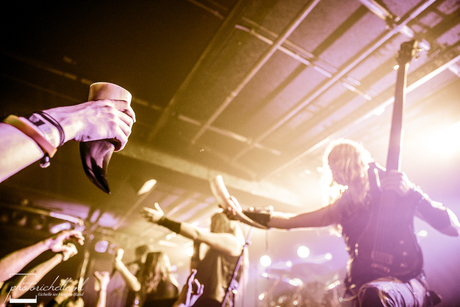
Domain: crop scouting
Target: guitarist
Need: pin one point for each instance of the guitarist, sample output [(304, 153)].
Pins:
[(387, 274)]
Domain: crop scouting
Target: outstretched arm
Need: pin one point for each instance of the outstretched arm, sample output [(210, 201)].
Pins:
[(319, 218), (15, 261), (224, 242), (434, 213), (93, 120), (22, 284), (129, 278)]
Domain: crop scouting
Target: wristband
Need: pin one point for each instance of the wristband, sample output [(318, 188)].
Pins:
[(170, 224), (31, 131), (259, 217), (51, 129)]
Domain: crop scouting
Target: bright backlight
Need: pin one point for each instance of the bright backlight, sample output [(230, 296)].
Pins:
[(446, 141)]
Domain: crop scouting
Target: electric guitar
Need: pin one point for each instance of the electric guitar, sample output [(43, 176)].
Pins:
[(388, 246)]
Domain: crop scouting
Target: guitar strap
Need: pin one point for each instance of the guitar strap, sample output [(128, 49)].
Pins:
[(374, 173)]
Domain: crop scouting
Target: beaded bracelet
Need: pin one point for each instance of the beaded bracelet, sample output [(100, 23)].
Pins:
[(31, 131)]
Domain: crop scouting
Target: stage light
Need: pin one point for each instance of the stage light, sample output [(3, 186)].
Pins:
[(38, 222), (189, 251), (289, 264), (422, 233), (59, 227), (19, 218), (296, 282), (333, 285), (101, 246), (379, 110), (4, 216), (262, 296), (446, 141), (265, 260), (303, 252), (328, 256), (147, 186), (171, 235)]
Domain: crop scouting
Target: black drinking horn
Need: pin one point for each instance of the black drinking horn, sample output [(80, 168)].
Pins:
[(95, 155)]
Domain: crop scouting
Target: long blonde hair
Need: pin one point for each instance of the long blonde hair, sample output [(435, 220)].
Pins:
[(351, 162)]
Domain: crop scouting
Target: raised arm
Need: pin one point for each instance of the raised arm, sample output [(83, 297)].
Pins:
[(15, 261), (22, 284), (224, 242), (130, 279), (22, 142), (101, 284)]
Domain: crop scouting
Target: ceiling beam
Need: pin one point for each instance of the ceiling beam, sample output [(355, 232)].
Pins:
[(263, 189)]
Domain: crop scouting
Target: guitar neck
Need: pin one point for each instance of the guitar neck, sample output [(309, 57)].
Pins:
[(396, 132)]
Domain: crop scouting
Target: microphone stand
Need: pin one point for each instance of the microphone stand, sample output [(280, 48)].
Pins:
[(233, 284)]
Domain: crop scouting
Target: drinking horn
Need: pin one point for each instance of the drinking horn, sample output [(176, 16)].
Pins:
[(95, 155)]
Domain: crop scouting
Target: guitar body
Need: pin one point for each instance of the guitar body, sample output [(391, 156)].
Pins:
[(388, 245)]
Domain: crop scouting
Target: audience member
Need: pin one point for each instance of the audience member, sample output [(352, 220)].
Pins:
[(215, 270)]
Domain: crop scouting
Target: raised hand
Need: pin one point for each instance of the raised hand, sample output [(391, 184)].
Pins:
[(56, 242), (102, 280), (232, 208), (152, 215), (68, 251), (190, 293), (120, 253)]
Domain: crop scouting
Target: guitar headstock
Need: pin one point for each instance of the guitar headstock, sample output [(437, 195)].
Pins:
[(408, 51)]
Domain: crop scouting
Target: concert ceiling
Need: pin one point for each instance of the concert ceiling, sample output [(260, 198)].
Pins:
[(251, 90)]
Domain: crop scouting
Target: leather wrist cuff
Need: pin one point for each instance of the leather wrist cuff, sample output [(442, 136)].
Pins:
[(259, 217), (170, 224)]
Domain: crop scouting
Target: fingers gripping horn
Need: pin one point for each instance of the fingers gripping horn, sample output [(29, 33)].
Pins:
[(95, 155)]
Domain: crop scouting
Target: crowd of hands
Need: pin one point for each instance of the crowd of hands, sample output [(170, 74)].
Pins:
[(63, 244)]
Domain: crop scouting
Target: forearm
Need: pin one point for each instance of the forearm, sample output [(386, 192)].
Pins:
[(35, 275), (318, 218), (435, 213), (101, 298), (223, 242), (15, 261), (18, 151), (281, 220), (129, 278)]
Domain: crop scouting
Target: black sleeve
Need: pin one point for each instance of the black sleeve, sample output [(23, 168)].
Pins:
[(432, 212)]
